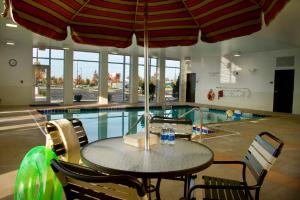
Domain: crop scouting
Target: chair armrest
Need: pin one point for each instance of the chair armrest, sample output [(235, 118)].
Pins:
[(233, 187), (234, 163), (228, 162)]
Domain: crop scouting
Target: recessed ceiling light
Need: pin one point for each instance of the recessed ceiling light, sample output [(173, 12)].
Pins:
[(10, 43), (66, 48), (237, 54), (11, 25)]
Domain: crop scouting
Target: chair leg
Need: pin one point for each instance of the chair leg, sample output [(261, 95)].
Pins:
[(257, 194)]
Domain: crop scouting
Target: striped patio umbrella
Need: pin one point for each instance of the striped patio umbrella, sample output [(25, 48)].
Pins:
[(155, 23), (170, 22)]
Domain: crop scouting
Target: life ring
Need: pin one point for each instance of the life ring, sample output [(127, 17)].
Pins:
[(35, 178), (211, 95)]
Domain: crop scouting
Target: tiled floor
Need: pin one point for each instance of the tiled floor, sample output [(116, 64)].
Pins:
[(19, 132)]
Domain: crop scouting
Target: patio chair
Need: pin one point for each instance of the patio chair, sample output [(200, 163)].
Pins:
[(259, 158), (80, 182), (65, 137), (183, 131)]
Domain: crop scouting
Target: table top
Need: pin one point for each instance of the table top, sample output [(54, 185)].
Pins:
[(113, 156)]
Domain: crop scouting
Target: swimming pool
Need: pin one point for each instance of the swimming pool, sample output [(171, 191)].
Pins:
[(101, 123)]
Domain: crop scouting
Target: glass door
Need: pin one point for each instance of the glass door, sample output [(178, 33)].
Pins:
[(41, 84)]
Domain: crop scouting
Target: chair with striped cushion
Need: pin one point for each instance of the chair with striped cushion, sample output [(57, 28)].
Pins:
[(80, 182), (65, 137), (259, 158)]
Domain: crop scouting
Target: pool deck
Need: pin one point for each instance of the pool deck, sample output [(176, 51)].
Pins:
[(19, 132)]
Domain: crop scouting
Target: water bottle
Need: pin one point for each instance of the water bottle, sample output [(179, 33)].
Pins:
[(164, 134), (171, 135)]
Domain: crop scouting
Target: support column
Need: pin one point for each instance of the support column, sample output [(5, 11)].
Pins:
[(68, 77), (161, 76), (103, 88), (134, 78), (182, 82)]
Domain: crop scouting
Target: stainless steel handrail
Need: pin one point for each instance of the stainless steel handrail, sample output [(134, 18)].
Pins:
[(188, 112), (135, 124), (165, 106), (201, 117)]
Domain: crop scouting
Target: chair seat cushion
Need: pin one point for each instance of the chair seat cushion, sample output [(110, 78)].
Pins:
[(223, 194)]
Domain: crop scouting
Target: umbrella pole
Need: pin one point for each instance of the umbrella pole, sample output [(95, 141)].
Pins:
[(146, 83)]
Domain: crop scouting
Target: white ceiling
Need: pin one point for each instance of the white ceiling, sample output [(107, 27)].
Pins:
[(282, 33)]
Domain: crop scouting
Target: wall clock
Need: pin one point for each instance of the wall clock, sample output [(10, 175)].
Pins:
[(12, 62)]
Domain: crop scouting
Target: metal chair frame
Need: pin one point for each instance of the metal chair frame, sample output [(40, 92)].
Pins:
[(260, 157), (80, 182)]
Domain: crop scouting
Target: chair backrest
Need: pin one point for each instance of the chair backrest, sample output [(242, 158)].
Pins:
[(183, 127), (55, 138), (80, 132), (262, 154), (80, 182)]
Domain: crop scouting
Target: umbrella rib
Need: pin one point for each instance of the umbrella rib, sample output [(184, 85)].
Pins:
[(77, 12), (186, 7)]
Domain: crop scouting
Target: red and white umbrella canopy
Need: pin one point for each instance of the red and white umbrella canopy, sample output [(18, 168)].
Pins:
[(170, 22)]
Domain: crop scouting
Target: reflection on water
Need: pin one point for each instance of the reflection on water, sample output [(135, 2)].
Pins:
[(106, 124)]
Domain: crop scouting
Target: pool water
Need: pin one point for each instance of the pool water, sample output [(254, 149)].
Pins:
[(101, 124)]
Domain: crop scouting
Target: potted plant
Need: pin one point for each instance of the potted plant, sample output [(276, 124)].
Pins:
[(151, 89), (77, 97)]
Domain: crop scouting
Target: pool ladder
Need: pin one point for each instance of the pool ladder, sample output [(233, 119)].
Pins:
[(181, 116), (201, 118), (135, 124), (166, 107)]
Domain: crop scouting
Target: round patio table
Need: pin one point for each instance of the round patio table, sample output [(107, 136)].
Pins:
[(113, 156)]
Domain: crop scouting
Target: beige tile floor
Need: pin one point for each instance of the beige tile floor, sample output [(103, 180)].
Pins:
[(19, 132)]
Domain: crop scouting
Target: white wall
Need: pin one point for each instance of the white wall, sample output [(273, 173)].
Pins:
[(12, 91), (261, 98)]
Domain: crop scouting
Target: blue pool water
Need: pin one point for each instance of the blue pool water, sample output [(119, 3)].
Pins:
[(101, 124)]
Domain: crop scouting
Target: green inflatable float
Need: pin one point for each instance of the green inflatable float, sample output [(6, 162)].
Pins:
[(35, 179)]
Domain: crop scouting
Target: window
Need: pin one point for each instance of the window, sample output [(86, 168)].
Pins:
[(86, 75), (172, 75), (153, 78), (54, 58), (118, 78)]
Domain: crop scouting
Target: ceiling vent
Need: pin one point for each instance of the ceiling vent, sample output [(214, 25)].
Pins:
[(288, 61)]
